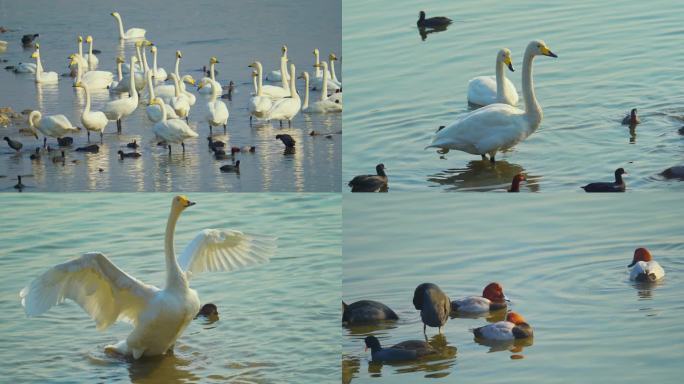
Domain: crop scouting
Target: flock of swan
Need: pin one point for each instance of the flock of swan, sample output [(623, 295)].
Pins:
[(159, 316), (169, 105)]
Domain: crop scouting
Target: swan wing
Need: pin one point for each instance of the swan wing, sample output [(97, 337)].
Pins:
[(482, 90), (103, 290), (225, 250)]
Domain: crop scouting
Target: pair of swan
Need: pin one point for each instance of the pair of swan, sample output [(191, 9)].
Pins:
[(317, 81), (153, 111), (485, 90), (120, 108), (43, 77), (171, 131), (56, 126), (324, 104), (168, 91), (93, 79), (496, 127), (274, 91), (217, 111), (130, 34), (159, 316), (95, 121), (286, 108), (90, 61)]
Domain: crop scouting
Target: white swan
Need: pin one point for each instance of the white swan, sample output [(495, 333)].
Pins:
[(317, 80), (180, 102), (25, 68), (159, 316), (273, 91), (95, 121), (79, 55), (43, 77), (323, 104), (153, 111), (56, 126), (118, 109), (168, 91), (131, 33), (287, 108), (485, 90), (174, 131), (158, 73), (90, 58), (139, 46), (117, 85), (259, 104), (255, 82), (496, 127), (217, 111), (332, 58), (276, 75), (94, 79), (210, 79)]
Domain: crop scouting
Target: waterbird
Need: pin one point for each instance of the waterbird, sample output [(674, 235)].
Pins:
[(617, 186), (366, 311), (370, 183)]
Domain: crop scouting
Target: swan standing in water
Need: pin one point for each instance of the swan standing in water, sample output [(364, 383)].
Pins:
[(43, 77), (90, 58), (217, 111), (159, 316), (95, 121), (94, 79), (496, 127), (153, 111), (324, 104), (118, 109), (259, 104), (287, 108), (56, 126), (485, 90), (131, 33), (180, 102), (173, 131), (276, 75)]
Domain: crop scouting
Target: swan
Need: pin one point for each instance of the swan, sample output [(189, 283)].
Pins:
[(496, 127), (159, 316), (323, 105), (259, 104), (207, 90), (168, 91), (90, 58), (95, 121), (118, 109), (276, 75), (117, 85), (287, 108), (153, 111), (180, 102), (43, 77), (217, 111), (94, 79), (485, 90), (56, 126), (139, 46), (72, 69), (173, 131), (332, 58), (158, 73), (274, 91), (317, 80), (131, 33), (24, 68)]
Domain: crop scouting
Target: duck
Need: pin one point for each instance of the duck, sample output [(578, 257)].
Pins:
[(56, 126), (217, 112), (43, 77), (220, 154), (93, 148), (95, 121), (496, 127), (675, 172), (65, 141), (492, 299), (121, 108), (513, 328), (16, 145), (174, 131), (370, 183), (287, 140), (366, 311), (230, 88), (215, 143), (130, 155), (286, 108), (631, 118), (27, 40), (433, 22), (131, 33), (643, 268), (231, 167), (404, 351), (208, 310), (159, 316), (515, 184), (133, 145), (617, 186), (434, 306), (485, 90)]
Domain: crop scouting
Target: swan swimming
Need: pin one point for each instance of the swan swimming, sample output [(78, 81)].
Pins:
[(159, 316), (485, 90), (496, 127), (131, 33)]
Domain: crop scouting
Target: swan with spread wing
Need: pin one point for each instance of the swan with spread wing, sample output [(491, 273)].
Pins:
[(159, 316)]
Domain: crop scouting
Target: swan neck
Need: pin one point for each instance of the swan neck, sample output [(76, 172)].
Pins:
[(255, 83), (131, 82), (90, 48), (118, 71), (211, 72), (177, 66), (87, 95), (324, 89), (80, 48), (500, 78), (154, 62), (318, 62), (174, 275), (260, 82), (215, 89), (283, 73), (144, 59), (306, 92), (332, 71), (121, 31), (150, 86), (176, 87), (532, 108), (79, 70), (293, 86)]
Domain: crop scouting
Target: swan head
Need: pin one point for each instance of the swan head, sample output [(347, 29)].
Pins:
[(213, 60), (304, 75), (80, 39), (505, 57), (332, 56), (284, 50), (322, 65), (153, 49), (79, 85), (641, 254), (89, 39), (120, 60), (187, 79), (179, 54), (255, 73), (256, 65), (147, 43), (35, 55), (157, 101), (181, 202), (116, 14), (315, 52), (539, 47)]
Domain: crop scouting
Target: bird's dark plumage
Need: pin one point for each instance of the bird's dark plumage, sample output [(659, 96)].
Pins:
[(133, 145), (28, 39), (231, 167), (366, 311), (65, 141), (93, 148), (617, 186), (433, 304), (132, 155), (13, 143), (287, 140), (404, 351), (676, 172), (432, 22), (370, 183)]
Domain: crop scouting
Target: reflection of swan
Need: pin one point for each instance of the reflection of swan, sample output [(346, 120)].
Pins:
[(159, 316), (153, 111), (173, 131), (118, 109), (131, 33), (287, 108), (95, 121), (259, 104), (43, 77), (485, 90), (217, 111), (56, 126), (480, 175), (496, 127), (323, 104)]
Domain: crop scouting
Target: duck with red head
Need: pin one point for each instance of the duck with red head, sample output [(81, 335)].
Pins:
[(513, 328), (643, 268), (492, 299), (515, 184)]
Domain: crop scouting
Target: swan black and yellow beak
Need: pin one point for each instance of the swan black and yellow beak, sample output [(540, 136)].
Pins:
[(547, 52), (509, 63), (189, 203)]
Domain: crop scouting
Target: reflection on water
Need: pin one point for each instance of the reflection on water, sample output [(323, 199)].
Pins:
[(515, 346), (491, 317), (424, 32), (482, 175)]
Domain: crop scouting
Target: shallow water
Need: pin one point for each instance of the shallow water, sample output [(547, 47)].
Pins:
[(613, 56), (236, 33), (562, 263), (277, 321)]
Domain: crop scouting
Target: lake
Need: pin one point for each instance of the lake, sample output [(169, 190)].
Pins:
[(236, 33), (612, 56), (562, 263), (277, 321)]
